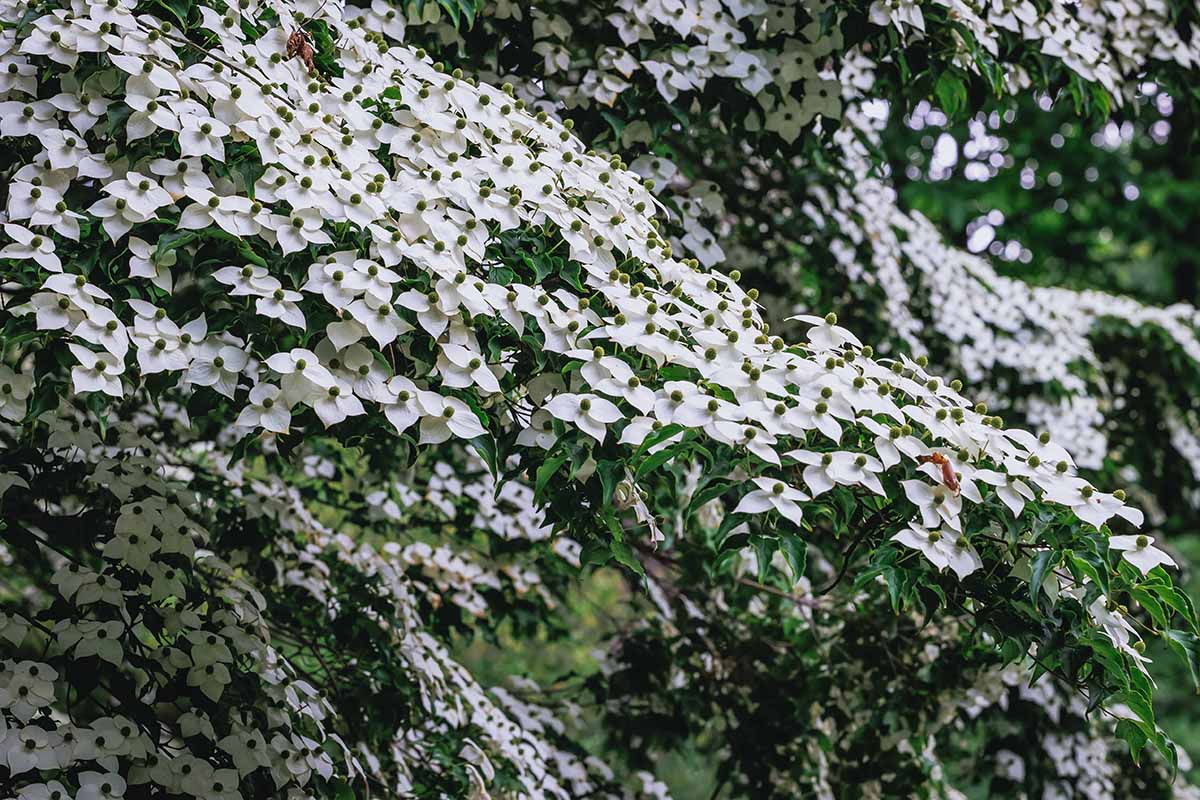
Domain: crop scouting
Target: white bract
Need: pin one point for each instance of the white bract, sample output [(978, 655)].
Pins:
[(1140, 551), (943, 548), (773, 496)]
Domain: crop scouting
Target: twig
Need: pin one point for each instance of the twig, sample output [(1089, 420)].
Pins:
[(867, 527)]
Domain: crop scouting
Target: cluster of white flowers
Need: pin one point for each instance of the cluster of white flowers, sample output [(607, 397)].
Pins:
[(277, 724), (469, 160), (514, 732), (992, 322), (1107, 43), (785, 66), (782, 66), (1084, 756), (179, 623), (366, 209)]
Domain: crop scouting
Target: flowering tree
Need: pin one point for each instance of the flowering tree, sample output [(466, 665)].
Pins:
[(321, 349)]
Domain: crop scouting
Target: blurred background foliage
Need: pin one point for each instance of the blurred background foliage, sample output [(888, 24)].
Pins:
[(1056, 200)]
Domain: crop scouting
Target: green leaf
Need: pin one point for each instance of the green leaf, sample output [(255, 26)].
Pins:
[(98, 405), (657, 460), (1042, 563), (542, 267), (615, 121), (610, 476), (708, 493), (624, 556), (894, 579), (117, 115), (501, 275), (610, 519), (1175, 599), (1151, 604), (660, 435), (546, 471), (1188, 648), (734, 541), (254, 258), (1091, 565), (1132, 734), (485, 445), (249, 170), (1139, 705), (723, 536), (177, 8), (469, 10), (674, 372), (451, 7), (764, 549), (173, 240), (1166, 748), (951, 92), (596, 552), (795, 553), (570, 274), (239, 450)]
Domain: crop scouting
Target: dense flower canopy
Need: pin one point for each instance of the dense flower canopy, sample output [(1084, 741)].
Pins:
[(319, 350)]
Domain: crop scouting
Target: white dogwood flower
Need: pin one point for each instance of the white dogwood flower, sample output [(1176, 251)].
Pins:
[(590, 413), (145, 263), (938, 504), (97, 372), (772, 495), (266, 410), (1140, 551), (944, 548), (1092, 506), (445, 417), (29, 245), (15, 389)]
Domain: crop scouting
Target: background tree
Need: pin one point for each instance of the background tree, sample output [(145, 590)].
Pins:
[(323, 353)]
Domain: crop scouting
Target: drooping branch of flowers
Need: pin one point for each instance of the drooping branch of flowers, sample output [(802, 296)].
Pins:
[(402, 314)]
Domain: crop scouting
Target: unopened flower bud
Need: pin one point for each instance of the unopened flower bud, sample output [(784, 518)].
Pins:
[(624, 495)]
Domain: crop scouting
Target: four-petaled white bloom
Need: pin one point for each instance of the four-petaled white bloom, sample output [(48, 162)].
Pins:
[(944, 548), (97, 372), (773, 495), (937, 504), (591, 413), (1090, 505), (445, 417), (15, 389), (266, 409), (1140, 551), (29, 245)]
